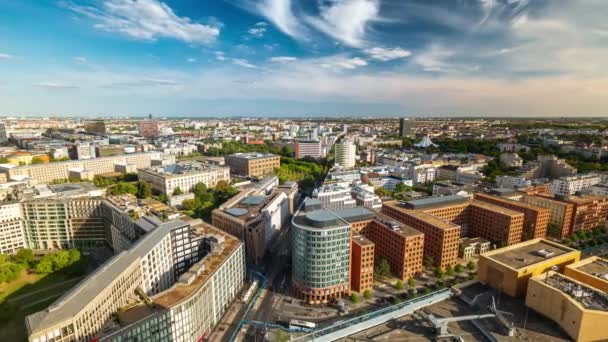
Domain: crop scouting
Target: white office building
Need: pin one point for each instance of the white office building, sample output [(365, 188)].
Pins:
[(345, 154)]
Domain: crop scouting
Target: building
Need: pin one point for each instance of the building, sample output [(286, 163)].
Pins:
[(572, 184), (406, 127), (183, 175), (308, 148), (365, 198), (362, 264), (256, 217), (46, 173), (346, 152), (12, 233), (253, 164), (335, 196), (513, 182), (511, 160), (443, 188), (149, 128), (589, 212), (321, 251), (536, 219), (174, 283), (560, 214), (592, 271), (3, 135), (579, 308), (440, 236), (95, 127), (470, 247), (547, 166), (508, 269)]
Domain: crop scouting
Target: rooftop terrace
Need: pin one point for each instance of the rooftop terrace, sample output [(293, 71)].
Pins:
[(586, 296), (526, 254)]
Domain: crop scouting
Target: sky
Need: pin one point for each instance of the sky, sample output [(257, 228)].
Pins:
[(304, 58)]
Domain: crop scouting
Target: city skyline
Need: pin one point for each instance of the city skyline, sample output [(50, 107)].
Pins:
[(287, 58)]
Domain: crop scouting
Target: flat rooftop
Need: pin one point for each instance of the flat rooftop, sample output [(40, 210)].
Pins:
[(362, 240), (598, 268), (526, 254), (422, 216), (586, 296), (496, 208), (319, 219), (253, 155), (436, 201)]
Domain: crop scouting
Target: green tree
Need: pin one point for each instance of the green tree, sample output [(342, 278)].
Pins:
[(3, 160), (458, 268), (44, 266), (382, 268), (471, 266), (411, 282), (143, 190), (122, 189), (439, 273), (429, 261), (162, 198), (200, 189), (177, 191), (399, 285), (38, 160), (367, 294), (192, 204), (24, 256), (449, 271), (354, 298)]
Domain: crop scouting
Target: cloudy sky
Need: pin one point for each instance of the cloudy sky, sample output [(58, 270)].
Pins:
[(304, 57)]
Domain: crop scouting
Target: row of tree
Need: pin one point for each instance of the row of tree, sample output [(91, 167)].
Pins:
[(140, 189), (11, 266), (205, 199)]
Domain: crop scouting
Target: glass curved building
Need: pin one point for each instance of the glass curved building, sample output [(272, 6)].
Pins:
[(320, 255)]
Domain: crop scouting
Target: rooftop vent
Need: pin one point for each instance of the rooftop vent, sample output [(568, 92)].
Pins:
[(545, 253)]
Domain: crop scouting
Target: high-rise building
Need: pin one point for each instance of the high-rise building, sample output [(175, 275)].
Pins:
[(308, 148), (321, 251), (3, 135), (346, 152), (406, 127), (362, 264)]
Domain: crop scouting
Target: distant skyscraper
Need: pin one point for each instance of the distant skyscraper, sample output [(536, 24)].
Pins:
[(406, 127), (3, 137)]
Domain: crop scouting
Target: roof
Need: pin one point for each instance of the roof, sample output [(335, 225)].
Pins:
[(355, 214), (528, 253), (362, 240), (434, 201), (74, 301), (594, 266), (495, 208), (422, 216), (318, 219), (253, 155)]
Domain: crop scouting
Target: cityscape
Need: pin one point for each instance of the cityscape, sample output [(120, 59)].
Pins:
[(284, 170)]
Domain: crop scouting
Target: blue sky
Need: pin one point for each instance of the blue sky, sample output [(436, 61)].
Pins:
[(304, 58)]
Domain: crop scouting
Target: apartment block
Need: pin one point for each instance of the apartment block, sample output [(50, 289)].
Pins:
[(12, 234), (184, 175), (536, 219), (46, 173), (560, 213), (572, 184), (589, 212), (335, 196), (362, 264), (308, 148), (497, 224), (253, 164)]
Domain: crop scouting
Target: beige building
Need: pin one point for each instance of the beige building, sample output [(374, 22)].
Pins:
[(592, 271), (508, 269), (46, 173), (253, 164), (580, 309), (560, 213), (184, 175)]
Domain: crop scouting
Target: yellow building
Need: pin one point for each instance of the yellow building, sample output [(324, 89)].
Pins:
[(592, 271), (508, 269), (581, 310), (25, 158)]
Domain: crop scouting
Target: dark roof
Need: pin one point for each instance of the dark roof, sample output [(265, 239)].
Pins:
[(434, 201)]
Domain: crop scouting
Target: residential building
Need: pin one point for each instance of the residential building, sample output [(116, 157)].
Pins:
[(183, 175), (308, 148), (560, 213), (335, 196), (149, 128), (511, 160), (547, 166), (366, 198), (46, 173), (345, 154), (513, 182), (3, 135), (589, 212), (12, 233), (508, 269), (443, 188), (95, 127), (253, 164), (471, 247), (573, 184)]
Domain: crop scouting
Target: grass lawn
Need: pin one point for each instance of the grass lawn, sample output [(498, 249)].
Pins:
[(26, 295)]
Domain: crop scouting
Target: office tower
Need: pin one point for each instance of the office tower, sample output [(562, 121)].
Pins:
[(345, 154), (406, 127)]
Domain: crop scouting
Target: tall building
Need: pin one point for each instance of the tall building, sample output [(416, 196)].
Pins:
[(308, 148), (3, 135), (183, 175), (253, 164), (321, 251), (362, 264), (95, 127), (406, 127), (256, 216), (589, 212), (149, 128), (334, 196), (346, 152), (560, 214)]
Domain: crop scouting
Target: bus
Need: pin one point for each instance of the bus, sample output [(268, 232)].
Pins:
[(297, 324)]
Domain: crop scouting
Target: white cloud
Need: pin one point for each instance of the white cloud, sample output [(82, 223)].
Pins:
[(6, 56), (191, 60), (434, 59), (280, 13), (346, 20), (243, 62), (146, 20), (261, 23), (80, 59), (341, 62), (387, 54), (219, 55), (257, 32), (55, 85), (283, 59)]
